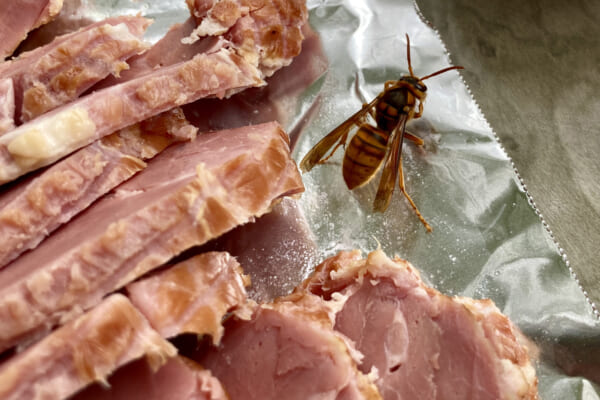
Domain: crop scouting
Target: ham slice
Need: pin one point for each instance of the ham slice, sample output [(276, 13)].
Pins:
[(17, 18), (277, 250), (192, 296), (84, 351), (63, 72), (287, 350), (66, 129), (180, 378), (7, 105), (268, 33), (37, 206), (189, 194), (423, 344)]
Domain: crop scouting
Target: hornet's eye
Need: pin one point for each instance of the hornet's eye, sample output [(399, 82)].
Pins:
[(421, 87)]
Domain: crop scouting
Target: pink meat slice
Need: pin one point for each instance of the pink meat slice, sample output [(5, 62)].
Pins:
[(277, 250), (287, 350), (37, 206), (83, 351), (424, 345), (135, 24), (7, 105), (275, 101), (192, 296), (167, 51), (18, 18), (266, 32), (68, 69), (191, 193), (180, 378), (68, 128)]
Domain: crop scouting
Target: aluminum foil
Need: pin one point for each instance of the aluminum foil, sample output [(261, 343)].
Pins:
[(488, 240)]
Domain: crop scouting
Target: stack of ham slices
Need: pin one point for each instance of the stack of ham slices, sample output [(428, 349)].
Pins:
[(115, 214)]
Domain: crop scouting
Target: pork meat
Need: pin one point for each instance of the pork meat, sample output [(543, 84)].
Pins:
[(7, 105), (423, 344), (277, 250), (287, 350), (268, 33), (18, 18), (180, 378), (84, 351), (191, 193), (192, 296), (68, 128), (65, 71), (35, 207)]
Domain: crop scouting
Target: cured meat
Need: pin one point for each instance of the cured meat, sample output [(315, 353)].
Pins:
[(192, 296), (268, 33), (423, 344), (191, 193), (84, 351), (17, 18), (65, 71), (167, 51), (277, 250), (7, 105), (275, 101), (37, 206), (287, 350), (135, 24), (66, 129), (180, 378)]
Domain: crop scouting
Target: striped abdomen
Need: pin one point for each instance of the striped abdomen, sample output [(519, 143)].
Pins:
[(364, 155)]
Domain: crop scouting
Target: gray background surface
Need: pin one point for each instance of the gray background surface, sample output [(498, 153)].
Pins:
[(534, 68)]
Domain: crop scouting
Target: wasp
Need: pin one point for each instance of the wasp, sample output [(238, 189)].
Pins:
[(399, 102)]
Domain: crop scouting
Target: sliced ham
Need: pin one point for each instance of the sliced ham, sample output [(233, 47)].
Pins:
[(68, 69), (59, 132), (7, 105), (180, 378), (192, 296), (18, 18), (37, 206), (268, 33), (167, 51), (189, 194), (84, 351), (423, 344), (278, 100), (135, 24), (287, 350), (277, 250)]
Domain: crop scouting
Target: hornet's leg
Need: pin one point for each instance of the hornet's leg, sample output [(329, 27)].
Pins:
[(412, 203)]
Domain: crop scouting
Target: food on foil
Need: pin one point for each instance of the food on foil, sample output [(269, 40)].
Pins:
[(287, 350), (18, 18), (189, 194), (192, 296), (423, 344), (131, 187), (365, 153), (86, 350), (265, 247), (179, 378)]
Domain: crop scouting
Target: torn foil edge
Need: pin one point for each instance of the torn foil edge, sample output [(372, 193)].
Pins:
[(522, 184)]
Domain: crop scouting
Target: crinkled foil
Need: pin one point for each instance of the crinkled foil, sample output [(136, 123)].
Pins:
[(487, 240)]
